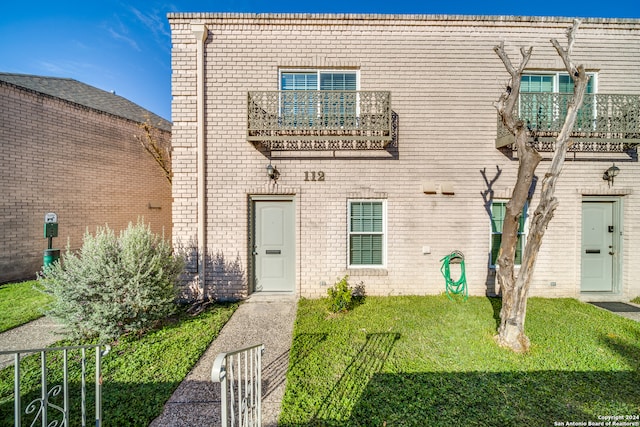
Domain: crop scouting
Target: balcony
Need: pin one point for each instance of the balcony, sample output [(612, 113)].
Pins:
[(605, 123), (320, 120)]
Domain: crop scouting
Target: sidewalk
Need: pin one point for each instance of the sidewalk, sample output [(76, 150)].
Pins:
[(37, 334), (262, 319)]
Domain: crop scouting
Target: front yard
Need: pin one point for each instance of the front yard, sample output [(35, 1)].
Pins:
[(427, 361), (20, 303)]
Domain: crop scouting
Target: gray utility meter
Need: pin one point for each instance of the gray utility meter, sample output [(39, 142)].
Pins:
[(50, 231)]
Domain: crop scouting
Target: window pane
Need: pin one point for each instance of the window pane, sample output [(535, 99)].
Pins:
[(498, 210), (536, 84), (338, 81), (496, 239), (299, 81), (366, 250), (565, 85), (497, 216), (366, 217)]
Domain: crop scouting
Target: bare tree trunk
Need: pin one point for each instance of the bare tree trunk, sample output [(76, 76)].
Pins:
[(515, 291)]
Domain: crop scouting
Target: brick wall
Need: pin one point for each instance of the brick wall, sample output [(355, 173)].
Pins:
[(84, 165), (444, 77)]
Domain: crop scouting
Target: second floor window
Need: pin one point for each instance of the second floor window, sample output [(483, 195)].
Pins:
[(544, 98), (318, 80), (319, 98)]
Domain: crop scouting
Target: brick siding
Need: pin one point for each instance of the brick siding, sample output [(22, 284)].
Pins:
[(82, 164), (444, 77)]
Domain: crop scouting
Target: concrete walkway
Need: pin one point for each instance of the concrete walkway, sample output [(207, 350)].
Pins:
[(37, 334), (262, 319)]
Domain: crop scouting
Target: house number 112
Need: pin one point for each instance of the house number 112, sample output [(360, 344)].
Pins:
[(314, 176)]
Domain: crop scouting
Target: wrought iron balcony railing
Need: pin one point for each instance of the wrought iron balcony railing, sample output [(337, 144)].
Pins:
[(294, 119), (605, 123)]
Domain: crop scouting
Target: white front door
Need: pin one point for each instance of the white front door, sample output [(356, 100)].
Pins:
[(599, 246), (274, 246)]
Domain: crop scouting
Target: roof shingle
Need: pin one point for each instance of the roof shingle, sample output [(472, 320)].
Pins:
[(88, 96)]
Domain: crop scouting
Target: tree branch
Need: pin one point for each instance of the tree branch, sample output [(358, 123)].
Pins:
[(508, 100), (565, 54)]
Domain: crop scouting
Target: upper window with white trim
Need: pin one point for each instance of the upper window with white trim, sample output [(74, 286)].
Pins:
[(319, 80), (552, 83)]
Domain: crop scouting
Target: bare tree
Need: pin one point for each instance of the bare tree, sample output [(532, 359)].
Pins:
[(159, 149), (514, 289)]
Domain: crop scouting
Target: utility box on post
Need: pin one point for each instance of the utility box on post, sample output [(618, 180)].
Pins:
[(50, 231)]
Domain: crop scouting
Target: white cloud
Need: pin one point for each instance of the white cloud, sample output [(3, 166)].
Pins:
[(121, 37)]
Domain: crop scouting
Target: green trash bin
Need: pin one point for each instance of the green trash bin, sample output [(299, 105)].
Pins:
[(50, 256)]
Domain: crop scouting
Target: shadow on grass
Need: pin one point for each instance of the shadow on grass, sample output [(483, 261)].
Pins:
[(480, 399), (354, 381), (494, 399), (365, 395), (496, 304), (118, 408)]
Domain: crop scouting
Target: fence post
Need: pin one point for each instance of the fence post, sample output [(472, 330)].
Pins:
[(240, 376)]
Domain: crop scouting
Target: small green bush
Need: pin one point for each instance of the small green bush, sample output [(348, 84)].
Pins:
[(343, 297), (114, 284)]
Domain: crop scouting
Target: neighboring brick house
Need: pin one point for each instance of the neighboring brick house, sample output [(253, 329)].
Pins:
[(71, 148), (383, 134)]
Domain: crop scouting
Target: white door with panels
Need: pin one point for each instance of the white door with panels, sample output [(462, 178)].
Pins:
[(274, 246), (600, 244)]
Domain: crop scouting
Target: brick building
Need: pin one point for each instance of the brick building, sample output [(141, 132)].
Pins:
[(381, 138), (70, 148)]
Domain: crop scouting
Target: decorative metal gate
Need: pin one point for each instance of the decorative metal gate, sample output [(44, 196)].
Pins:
[(240, 378), (63, 394)]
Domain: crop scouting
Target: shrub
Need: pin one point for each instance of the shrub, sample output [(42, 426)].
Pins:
[(114, 284), (343, 297)]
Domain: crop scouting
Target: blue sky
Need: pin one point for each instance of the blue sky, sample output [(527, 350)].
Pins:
[(126, 46)]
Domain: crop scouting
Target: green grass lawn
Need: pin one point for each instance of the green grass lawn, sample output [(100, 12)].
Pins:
[(428, 361), (20, 303), (139, 374)]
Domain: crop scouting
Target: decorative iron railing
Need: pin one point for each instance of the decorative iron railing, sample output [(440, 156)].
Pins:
[(62, 396), (605, 123), (240, 376), (334, 119)]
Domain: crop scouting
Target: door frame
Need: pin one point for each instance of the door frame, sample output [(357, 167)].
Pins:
[(617, 242), (253, 199)]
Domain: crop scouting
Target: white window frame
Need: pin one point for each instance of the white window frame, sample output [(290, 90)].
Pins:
[(383, 233), (593, 76), (525, 230), (319, 71)]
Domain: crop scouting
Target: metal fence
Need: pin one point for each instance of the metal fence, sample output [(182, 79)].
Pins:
[(240, 378), (294, 115), (64, 376), (604, 123)]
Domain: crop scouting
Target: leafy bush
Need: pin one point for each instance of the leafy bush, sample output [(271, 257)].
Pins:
[(115, 284), (343, 297)]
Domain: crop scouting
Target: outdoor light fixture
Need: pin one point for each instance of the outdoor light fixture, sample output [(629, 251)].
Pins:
[(272, 172), (610, 174)]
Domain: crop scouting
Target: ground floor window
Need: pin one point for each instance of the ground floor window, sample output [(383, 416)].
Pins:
[(367, 226), (498, 210)]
